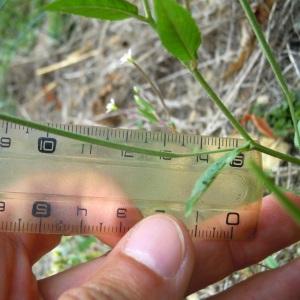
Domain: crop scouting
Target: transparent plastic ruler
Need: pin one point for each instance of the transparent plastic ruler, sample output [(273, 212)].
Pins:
[(55, 185)]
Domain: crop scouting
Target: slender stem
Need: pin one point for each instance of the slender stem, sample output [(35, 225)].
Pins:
[(290, 206), (271, 58), (142, 18), (188, 4), (155, 88), (216, 99), (283, 156), (148, 12), (105, 143)]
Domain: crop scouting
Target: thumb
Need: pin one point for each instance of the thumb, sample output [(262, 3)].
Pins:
[(154, 260)]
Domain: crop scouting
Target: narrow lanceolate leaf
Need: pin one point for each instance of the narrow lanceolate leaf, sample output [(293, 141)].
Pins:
[(177, 30), (290, 207), (207, 178), (100, 9)]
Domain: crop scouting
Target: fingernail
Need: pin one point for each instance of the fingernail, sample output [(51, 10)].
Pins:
[(158, 243)]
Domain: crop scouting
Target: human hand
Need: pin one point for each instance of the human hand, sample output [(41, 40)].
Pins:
[(156, 260)]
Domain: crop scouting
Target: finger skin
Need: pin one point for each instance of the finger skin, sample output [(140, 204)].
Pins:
[(122, 277), (279, 284), (80, 185), (53, 286), (17, 280), (215, 260)]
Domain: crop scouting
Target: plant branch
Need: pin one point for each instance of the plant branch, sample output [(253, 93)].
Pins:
[(148, 12), (105, 143), (271, 58), (188, 4), (216, 99), (283, 156), (142, 19), (290, 206), (154, 87)]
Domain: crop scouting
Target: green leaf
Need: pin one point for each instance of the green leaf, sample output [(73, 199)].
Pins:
[(146, 109), (290, 207), (177, 30), (148, 115), (296, 137), (207, 178), (100, 9)]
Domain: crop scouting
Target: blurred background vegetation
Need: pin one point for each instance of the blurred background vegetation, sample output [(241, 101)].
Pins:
[(67, 69)]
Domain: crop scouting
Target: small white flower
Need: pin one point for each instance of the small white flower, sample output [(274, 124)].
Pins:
[(111, 106), (126, 57)]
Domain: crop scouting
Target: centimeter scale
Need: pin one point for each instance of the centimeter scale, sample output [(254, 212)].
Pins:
[(55, 185)]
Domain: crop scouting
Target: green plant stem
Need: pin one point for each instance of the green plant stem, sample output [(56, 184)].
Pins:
[(148, 13), (188, 4), (108, 144), (291, 208), (271, 58), (154, 87), (216, 99), (283, 156), (142, 19)]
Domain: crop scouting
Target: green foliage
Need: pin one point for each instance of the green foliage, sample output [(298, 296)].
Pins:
[(288, 95), (7, 105), (290, 207), (145, 108), (203, 183), (55, 25), (279, 117), (16, 27), (18, 19), (177, 30), (100, 9), (73, 251), (2, 3)]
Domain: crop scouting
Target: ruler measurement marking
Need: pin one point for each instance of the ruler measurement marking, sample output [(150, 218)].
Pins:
[(140, 136), (19, 224), (196, 230), (40, 225), (81, 225)]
